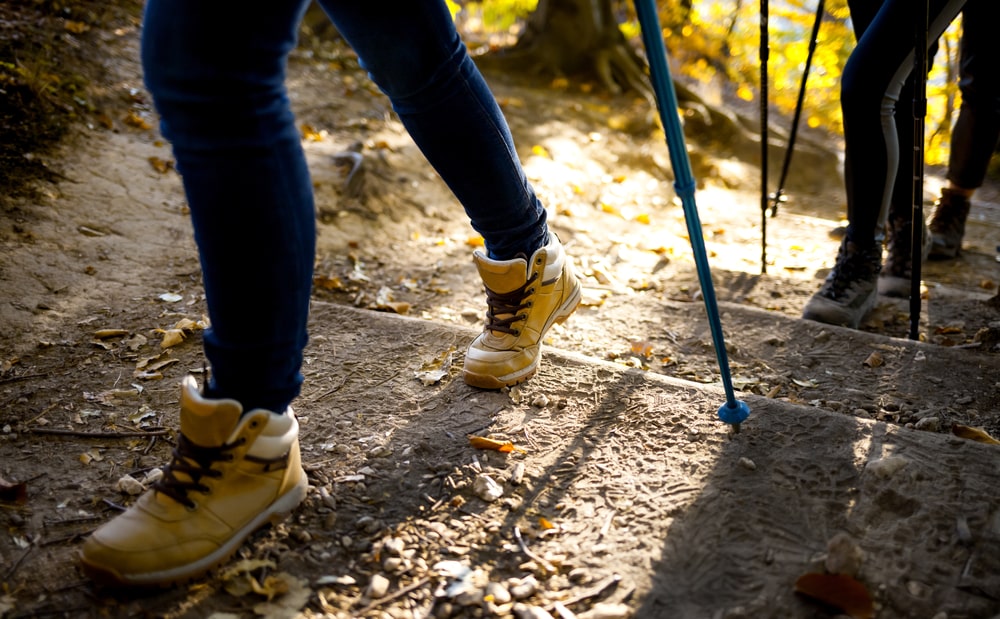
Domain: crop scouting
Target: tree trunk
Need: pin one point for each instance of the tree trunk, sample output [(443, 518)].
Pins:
[(577, 38)]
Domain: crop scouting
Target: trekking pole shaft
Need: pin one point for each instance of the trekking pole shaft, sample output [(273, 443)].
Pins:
[(919, 110), (764, 54), (799, 104), (733, 411)]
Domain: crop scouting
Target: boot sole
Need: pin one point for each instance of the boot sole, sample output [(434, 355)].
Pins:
[(107, 576), (488, 381)]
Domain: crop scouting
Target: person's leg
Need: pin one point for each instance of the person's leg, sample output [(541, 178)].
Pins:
[(976, 130), (414, 54), (216, 73), (871, 83)]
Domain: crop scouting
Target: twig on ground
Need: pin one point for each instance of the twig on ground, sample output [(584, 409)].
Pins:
[(392, 596), (83, 434), (534, 557), (13, 568), (595, 591)]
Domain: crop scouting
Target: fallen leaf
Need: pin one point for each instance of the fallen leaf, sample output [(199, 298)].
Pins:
[(974, 434), (76, 27), (838, 590), (642, 348), (13, 492), (874, 360), (329, 282), (161, 165), (481, 442), (545, 524), (106, 333), (540, 150)]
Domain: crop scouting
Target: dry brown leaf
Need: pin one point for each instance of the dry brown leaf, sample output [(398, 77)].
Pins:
[(76, 27), (161, 165), (105, 333), (840, 591), (874, 360), (13, 492), (974, 434), (642, 348)]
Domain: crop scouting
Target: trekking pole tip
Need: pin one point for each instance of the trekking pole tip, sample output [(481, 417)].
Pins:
[(734, 413)]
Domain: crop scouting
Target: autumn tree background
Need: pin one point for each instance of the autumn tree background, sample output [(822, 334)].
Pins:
[(714, 43)]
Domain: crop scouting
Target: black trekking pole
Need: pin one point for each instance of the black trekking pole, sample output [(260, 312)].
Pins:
[(764, 53), (779, 195), (733, 411), (920, 37)]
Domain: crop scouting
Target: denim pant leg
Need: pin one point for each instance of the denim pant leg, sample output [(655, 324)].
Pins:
[(977, 128), (216, 72), (870, 87), (413, 53)]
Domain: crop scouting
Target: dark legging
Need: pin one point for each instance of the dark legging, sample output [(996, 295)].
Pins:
[(871, 86)]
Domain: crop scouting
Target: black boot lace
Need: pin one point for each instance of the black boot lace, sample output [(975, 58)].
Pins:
[(194, 462), (504, 307)]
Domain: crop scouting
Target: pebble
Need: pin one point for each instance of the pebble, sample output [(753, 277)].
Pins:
[(377, 587), (844, 555), (497, 593), (540, 401), (486, 488), (748, 464), (521, 588), (929, 424), (523, 611), (885, 468), (393, 546), (605, 610), (517, 475), (130, 485)]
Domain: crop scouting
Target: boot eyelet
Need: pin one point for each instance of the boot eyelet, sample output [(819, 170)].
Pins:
[(517, 332), (538, 260)]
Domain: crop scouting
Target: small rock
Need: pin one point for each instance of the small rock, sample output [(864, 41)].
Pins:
[(486, 488), (393, 546), (606, 611), (377, 587), (130, 485), (885, 468), (517, 475), (497, 593), (521, 588), (523, 611), (540, 401), (929, 424), (844, 555), (748, 464)]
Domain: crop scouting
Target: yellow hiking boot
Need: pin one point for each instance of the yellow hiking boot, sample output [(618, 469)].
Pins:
[(231, 474), (525, 298)]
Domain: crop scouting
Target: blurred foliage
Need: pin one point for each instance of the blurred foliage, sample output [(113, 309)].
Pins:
[(717, 42)]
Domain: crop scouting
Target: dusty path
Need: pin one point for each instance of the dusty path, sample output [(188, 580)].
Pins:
[(623, 454)]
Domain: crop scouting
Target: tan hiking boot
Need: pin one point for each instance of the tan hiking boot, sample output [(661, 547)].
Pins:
[(231, 474), (525, 298)]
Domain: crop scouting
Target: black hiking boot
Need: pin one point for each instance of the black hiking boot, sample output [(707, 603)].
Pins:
[(894, 280), (948, 225), (849, 292)]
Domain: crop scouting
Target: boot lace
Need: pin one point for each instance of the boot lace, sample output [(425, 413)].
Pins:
[(504, 307), (194, 462), (853, 265)]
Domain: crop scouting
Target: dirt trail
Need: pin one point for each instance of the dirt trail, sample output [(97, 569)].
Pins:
[(655, 509)]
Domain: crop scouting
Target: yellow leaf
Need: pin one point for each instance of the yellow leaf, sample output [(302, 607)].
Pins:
[(540, 150), (607, 208), (475, 241), (545, 524), (642, 218), (974, 434), (744, 92), (642, 348), (481, 442)]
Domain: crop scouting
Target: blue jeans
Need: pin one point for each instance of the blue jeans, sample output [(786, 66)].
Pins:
[(216, 71), (871, 87)]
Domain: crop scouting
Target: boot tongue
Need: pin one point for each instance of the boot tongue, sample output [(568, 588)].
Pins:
[(502, 275), (207, 423)]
